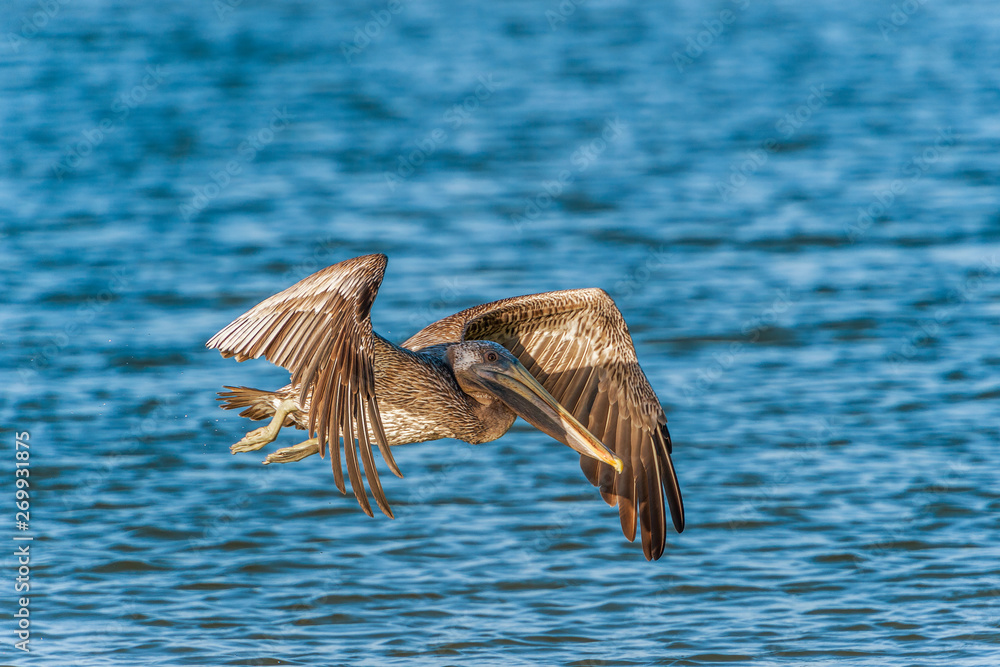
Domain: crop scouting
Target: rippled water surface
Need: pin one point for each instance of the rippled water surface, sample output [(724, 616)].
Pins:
[(794, 204)]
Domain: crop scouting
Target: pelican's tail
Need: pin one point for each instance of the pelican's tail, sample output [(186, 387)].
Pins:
[(259, 404)]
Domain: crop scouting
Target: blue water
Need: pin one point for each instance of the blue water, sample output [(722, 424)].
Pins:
[(794, 204)]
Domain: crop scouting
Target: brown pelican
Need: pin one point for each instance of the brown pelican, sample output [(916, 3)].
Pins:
[(563, 361)]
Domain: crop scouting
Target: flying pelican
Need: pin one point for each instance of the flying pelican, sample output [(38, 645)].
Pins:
[(563, 361)]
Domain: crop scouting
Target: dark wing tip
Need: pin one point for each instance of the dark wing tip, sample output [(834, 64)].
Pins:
[(677, 512), (671, 485)]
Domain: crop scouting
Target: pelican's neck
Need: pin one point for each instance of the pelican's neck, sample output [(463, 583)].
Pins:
[(419, 399)]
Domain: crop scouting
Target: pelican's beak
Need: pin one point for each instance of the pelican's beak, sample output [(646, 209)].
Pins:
[(526, 396)]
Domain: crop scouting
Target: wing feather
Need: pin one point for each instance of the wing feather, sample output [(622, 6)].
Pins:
[(577, 344), (338, 470), (625, 483), (320, 330)]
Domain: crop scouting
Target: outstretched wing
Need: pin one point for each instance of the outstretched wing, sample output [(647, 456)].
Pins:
[(577, 344), (320, 330)]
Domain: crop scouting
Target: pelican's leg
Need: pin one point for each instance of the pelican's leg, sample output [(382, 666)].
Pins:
[(294, 453), (259, 437)]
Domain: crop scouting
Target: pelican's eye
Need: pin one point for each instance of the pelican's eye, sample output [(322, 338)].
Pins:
[(492, 356)]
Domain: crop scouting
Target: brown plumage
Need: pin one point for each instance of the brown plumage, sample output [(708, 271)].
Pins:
[(452, 380)]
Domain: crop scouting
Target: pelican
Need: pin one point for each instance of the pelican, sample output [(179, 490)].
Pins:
[(563, 361)]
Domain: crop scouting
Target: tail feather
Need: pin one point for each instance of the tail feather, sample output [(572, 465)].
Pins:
[(258, 402)]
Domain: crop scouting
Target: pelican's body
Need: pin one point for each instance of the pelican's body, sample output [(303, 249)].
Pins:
[(413, 391), (563, 361)]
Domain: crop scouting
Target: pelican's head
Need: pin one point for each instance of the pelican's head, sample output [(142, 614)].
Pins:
[(487, 370)]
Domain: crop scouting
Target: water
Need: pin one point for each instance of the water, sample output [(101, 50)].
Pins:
[(831, 379)]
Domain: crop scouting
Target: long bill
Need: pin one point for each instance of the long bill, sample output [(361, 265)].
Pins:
[(526, 396)]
